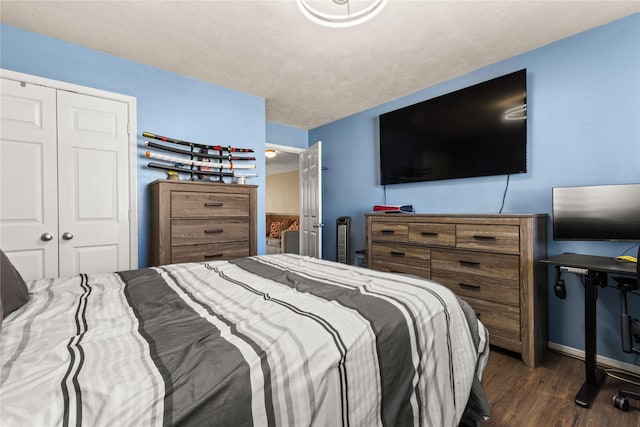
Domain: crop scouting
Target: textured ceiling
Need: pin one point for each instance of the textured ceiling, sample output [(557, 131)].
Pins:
[(311, 75)]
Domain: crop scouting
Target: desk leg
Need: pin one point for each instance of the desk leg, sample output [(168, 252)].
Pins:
[(593, 375)]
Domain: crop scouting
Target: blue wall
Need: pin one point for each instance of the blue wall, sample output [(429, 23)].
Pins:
[(168, 104), (583, 114), (287, 135)]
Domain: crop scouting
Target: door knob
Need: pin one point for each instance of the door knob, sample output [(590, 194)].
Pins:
[(46, 237), (67, 236)]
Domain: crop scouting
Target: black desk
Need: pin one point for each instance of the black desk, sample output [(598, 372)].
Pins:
[(597, 269)]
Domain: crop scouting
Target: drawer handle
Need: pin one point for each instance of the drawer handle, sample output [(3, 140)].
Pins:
[(485, 238), (213, 255), (387, 231), (213, 204), (217, 231), (429, 233), (394, 253), (468, 286), (469, 263)]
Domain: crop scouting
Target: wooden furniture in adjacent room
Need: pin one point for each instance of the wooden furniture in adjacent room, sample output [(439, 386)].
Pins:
[(491, 261), (282, 228), (202, 221)]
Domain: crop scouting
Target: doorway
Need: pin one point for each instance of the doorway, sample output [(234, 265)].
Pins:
[(282, 198)]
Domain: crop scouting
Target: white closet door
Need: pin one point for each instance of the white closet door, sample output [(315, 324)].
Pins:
[(28, 183), (93, 179)]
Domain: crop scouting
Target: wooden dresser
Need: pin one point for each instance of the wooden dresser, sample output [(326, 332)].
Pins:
[(202, 221), (491, 261)]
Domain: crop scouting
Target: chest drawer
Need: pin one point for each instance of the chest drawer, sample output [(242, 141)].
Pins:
[(433, 234), (198, 231), (490, 277), (390, 232), (210, 252), (185, 204), (499, 238)]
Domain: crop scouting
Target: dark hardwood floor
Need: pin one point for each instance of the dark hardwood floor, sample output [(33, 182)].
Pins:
[(544, 396)]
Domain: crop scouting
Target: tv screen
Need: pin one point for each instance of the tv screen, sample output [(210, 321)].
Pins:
[(600, 212), (477, 131)]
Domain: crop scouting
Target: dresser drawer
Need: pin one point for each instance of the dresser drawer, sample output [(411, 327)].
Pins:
[(202, 231), (500, 238), (401, 253), (501, 320), (394, 267), (490, 277), (390, 232), (211, 252), (185, 204), (433, 234), (401, 258)]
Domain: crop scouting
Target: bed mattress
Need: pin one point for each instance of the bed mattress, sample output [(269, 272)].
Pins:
[(270, 340)]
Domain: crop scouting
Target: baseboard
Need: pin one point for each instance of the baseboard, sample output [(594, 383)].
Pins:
[(605, 361)]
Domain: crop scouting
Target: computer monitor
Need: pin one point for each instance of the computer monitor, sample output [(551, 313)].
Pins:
[(598, 212)]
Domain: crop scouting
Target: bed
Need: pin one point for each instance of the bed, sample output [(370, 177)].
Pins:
[(268, 340)]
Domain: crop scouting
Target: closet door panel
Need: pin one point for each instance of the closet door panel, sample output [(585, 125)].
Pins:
[(28, 178), (94, 184)]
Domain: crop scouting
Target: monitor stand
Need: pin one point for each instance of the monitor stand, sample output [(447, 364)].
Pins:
[(593, 376), (596, 270)]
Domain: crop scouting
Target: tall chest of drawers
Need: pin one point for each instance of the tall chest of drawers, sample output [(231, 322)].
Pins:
[(202, 221), (491, 261)]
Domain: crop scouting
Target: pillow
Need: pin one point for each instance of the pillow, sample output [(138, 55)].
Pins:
[(274, 231), (13, 291), (295, 225)]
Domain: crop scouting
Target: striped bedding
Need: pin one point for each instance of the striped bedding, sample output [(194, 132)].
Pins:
[(270, 340)]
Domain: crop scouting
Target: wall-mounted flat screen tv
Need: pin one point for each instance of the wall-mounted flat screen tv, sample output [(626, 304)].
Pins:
[(477, 131), (598, 212)]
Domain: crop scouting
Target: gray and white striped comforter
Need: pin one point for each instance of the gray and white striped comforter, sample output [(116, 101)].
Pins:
[(275, 340)]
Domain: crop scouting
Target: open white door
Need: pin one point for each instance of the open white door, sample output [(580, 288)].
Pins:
[(311, 201)]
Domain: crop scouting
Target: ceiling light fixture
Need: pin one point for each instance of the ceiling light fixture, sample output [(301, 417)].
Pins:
[(270, 153), (340, 13)]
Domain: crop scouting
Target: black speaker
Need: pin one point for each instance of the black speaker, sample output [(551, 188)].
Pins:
[(559, 289)]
